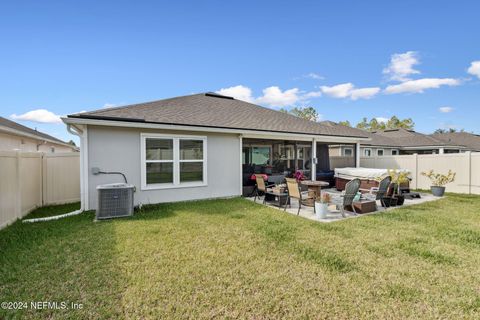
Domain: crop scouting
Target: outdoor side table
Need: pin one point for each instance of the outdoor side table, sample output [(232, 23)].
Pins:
[(280, 199), (364, 206)]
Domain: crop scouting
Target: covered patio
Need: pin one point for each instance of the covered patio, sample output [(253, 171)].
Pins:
[(277, 158)]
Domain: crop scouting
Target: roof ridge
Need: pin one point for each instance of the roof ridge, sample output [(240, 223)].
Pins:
[(137, 104)]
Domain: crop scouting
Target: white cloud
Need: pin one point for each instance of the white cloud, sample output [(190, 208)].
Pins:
[(313, 75), (238, 92), (275, 97), (420, 85), (38, 115), (445, 109), (338, 91), (272, 96), (347, 90), (312, 94), (401, 66), (364, 93), (109, 105), (382, 119), (474, 68)]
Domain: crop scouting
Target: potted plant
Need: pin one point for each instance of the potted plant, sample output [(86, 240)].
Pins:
[(321, 205), (439, 181), (399, 177), (299, 176)]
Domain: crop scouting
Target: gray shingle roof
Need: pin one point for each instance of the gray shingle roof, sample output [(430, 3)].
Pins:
[(469, 140), (213, 110), (406, 138), (16, 126), (401, 138)]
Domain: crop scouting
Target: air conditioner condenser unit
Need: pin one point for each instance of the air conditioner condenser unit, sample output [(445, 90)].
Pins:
[(115, 200)]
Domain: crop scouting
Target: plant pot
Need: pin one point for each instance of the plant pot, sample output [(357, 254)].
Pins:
[(437, 191), (321, 210), (389, 201), (393, 202), (400, 200)]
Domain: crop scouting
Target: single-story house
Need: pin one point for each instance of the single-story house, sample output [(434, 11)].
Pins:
[(199, 146), (470, 141), (16, 137), (392, 142)]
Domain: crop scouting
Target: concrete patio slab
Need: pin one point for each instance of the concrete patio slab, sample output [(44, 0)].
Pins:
[(335, 215)]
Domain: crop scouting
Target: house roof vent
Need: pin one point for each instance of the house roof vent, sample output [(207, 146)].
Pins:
[(216, 95)]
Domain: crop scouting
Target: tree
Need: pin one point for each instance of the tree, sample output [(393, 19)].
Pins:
[(449, 130), (395, 123), (345, 123), (363, 124), (374, 125), (307, 113), (71, 142)]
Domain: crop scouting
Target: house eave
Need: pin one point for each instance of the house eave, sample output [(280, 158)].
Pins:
[(35, 137)]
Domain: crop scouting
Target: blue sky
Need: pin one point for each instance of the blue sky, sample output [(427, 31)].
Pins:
[(348, 59)]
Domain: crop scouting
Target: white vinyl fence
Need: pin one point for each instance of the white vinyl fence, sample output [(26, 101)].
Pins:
[(32, 179), (341, 162), (465, 165)]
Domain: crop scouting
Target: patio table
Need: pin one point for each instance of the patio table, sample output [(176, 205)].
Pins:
[(314, 188)]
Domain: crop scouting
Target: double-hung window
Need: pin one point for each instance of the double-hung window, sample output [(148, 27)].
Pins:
[(173, 161)]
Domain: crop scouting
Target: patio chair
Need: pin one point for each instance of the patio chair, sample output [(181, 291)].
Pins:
[(346, 199), (295, 193), (261, 187), (380, 192)]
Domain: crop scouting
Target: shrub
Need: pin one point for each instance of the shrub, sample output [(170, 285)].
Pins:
[(438, 179)]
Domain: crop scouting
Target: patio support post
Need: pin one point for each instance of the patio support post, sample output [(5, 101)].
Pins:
[(295, 150), (314, 160), (357, 155)]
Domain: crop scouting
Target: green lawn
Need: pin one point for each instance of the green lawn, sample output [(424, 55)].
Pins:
[(236, 259)]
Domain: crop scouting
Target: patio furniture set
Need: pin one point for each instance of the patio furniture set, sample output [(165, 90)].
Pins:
[(352, 198)]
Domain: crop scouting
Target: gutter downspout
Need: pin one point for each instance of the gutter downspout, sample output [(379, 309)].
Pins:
[(80, 133), (77, 132)]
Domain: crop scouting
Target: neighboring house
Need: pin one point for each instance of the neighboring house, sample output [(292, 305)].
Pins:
[(14, 136), (198, 146), (469, 140), (398, 142), (403, 141)]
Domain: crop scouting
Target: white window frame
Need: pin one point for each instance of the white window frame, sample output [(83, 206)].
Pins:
[(397, 152), (176, 162), (383, 152), (344, 153), (365, 152)]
